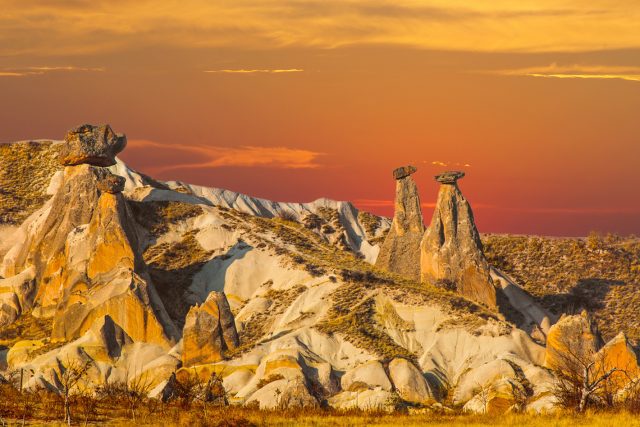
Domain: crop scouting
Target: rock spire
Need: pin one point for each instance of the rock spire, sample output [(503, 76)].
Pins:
[(400, 252), (451, 250)]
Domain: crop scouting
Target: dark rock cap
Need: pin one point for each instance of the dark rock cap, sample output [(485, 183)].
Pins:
[(449, 177), (404, 171), (93, 145)]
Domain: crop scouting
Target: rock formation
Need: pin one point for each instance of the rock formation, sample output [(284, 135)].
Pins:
[(619, 354), (451, 250), (410, 383), (400, 252), (92, 145), (83, 251), (573, 339), (209, 331)]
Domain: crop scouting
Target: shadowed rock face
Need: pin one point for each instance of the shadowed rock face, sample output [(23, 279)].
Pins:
[(451, 251), (209, 330), (93, 145), (400, 252)]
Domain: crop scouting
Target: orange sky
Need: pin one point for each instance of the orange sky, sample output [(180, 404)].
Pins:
[(537, 101)]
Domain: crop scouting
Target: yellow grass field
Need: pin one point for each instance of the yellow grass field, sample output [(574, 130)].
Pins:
[(245, 418)]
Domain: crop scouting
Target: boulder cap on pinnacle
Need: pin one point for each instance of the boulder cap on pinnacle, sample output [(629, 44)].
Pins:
[(449, 177), (404, 171), (95, 145)]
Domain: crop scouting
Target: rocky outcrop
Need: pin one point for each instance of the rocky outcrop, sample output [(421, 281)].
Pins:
[(618, 354), (84, 250), (451, 250), (367, 375), (573, 340), (410, 383), (400, 252), (16, 296), (92, 145), (209, 331)]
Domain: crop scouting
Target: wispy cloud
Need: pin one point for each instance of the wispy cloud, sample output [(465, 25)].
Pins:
[(244, 156), (576, 71), (448, 164), (254, 71), (38, 71), (77, 27)]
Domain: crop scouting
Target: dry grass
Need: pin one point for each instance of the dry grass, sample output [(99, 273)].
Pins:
[(47, 411), (601, 274), (26, 169), (172, 267), (156, 217), (25, 327)]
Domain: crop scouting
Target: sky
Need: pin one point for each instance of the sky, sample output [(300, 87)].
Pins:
[(292, 100)]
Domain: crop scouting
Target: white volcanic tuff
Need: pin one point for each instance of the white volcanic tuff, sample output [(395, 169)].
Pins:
[(356, 235), (534, 314)]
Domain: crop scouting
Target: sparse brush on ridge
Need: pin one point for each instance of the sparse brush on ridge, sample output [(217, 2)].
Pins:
[(286, 216), (600, 274)]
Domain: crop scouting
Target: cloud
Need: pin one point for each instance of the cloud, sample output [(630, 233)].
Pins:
[(80, 27), (206, 156), (576, 71), (244, 71), (38, 71), (447, 164)]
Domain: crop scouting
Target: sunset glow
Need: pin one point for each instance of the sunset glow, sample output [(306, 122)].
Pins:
[(537, 101)]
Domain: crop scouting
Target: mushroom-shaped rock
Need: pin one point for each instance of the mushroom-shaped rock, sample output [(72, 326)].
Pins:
[(450, 177), (400, 252), (409, 382), (370, 374), (94, 145), (404, 171), (209, 331), (451, 250), (572, 341)]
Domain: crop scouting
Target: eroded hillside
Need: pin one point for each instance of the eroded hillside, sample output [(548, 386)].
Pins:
[(600, 274)]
